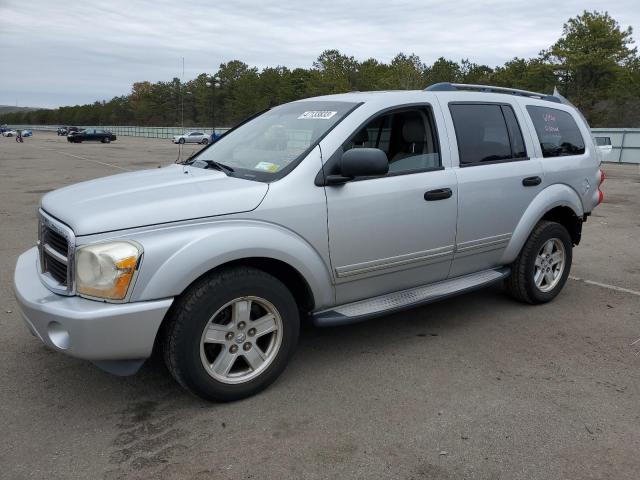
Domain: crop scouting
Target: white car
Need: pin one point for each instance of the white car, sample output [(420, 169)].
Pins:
[(192, 137), (606, 149), (9, 133)]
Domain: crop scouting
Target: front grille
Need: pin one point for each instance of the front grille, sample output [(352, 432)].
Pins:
[(56, 246), (55, 241), (57, 269)]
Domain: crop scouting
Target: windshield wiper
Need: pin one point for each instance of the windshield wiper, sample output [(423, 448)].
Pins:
[(219, 166)]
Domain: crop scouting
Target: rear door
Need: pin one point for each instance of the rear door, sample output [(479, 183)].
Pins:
[(386, 233), (497, 180)]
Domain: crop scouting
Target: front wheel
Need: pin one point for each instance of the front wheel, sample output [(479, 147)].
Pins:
[(204, 141), (231, 334), (181, 141), (543, 266)]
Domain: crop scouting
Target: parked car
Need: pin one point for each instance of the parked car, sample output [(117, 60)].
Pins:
[(91, 135), (9, 133), (4, 128), (337, 209), (27, 133), (192, 137), (62, 131)]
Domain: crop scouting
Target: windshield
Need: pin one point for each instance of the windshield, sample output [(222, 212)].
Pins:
[(271, 145)]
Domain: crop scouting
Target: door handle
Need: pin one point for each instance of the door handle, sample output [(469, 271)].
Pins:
[(438, 194), (531, 181)]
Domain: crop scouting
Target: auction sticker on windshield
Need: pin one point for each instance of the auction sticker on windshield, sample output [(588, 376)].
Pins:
[(267, 166), (317, 115)]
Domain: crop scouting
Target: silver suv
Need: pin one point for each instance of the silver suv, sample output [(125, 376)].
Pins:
[(337, 209)]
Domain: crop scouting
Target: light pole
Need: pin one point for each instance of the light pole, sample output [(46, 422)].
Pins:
[(213, 83), (187, 93)]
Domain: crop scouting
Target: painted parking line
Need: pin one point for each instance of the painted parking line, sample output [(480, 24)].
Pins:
[(606, 285), (85, 158)]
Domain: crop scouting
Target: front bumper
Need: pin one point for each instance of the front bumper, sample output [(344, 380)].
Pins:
[(83, 328)]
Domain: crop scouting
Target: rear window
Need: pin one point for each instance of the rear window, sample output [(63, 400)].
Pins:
[(486, 133), (557, 131)]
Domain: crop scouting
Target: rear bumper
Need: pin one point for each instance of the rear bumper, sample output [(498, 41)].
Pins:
[(84, 328)]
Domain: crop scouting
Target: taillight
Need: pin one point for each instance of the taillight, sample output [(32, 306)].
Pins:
[(602, 176), (600, 196)]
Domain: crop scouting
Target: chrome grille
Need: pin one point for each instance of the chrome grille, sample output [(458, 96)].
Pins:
[(56, 244)]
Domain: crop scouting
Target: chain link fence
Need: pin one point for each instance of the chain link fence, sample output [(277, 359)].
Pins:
[(130, 131), (624, 142)]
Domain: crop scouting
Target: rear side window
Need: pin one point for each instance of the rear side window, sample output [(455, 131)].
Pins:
[(557, 132), (487, 133)]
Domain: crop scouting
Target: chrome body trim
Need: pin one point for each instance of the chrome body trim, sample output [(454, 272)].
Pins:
[(426, 256), (46, 221)]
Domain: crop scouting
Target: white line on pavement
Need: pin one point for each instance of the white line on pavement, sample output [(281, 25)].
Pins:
[(85, 158), (606, 285)]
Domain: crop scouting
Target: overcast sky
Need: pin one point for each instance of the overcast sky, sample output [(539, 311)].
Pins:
[(71, 52)]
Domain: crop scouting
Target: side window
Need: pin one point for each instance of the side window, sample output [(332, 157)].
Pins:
[(603, 141), (518, 150), (487, 133), (407, 136), (557, 131)]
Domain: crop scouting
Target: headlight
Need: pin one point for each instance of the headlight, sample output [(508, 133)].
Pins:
[(105, 270)]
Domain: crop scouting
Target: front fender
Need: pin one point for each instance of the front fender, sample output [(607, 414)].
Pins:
[(175, 257), (557, 195)]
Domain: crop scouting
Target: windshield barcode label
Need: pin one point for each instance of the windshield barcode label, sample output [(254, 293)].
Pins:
[(317, 115)]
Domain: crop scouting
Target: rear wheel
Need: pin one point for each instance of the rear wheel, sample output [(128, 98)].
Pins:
[(231, 334), (543, 266)]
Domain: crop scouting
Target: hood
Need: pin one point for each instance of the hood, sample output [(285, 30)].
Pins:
[(149, 197)]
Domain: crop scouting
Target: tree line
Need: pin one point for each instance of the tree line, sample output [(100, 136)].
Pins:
[(594, 64)]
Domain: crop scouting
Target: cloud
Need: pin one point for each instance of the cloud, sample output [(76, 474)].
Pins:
[(60, 54)]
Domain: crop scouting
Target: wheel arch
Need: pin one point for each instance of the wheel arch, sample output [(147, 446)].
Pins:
[(174, 260), (559, 203)]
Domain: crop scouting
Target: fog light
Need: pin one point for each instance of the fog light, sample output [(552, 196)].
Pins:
[(58, 335)]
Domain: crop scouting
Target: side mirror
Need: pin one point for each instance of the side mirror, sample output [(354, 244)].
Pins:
[(360, 162)]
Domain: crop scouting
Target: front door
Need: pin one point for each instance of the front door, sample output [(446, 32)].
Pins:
[(387, 234)]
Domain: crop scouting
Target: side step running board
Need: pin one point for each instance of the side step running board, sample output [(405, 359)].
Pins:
[(393, 302)]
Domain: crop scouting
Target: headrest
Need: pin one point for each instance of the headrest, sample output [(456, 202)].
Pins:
[(413, 131), (361, 137)]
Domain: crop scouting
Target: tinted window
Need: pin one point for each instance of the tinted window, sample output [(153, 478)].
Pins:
[(483, 135), (518, 149), (407, 137), (557, 132)]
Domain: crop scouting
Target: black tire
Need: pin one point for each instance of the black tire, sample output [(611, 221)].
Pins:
[(181, 141), (521, 284), (204, 141), (191, 314)]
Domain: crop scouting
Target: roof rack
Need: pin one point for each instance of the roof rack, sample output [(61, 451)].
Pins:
[(456, 87)]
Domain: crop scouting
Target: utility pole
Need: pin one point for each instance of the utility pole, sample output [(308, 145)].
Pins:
[(213, 83), (182, 94)]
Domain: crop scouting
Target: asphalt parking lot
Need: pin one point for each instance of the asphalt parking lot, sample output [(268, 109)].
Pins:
[(478, 386)]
